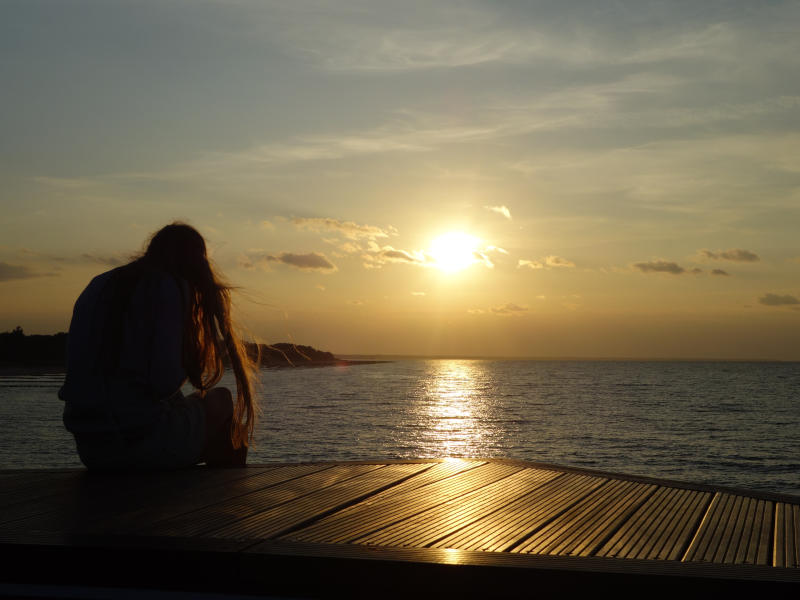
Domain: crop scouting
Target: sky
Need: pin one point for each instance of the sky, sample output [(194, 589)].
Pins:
[(505, 178)]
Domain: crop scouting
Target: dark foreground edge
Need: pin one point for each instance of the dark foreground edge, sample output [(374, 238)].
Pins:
[(316, 570)]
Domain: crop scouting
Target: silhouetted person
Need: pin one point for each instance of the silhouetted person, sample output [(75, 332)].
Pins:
[(137, 334)]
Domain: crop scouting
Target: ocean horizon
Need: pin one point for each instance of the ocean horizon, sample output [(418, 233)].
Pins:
[(730, 423)]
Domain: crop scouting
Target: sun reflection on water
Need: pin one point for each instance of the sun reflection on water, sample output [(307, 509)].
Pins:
[(451, 412)]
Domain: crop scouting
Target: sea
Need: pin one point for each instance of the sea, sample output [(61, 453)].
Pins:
[(724, 423)]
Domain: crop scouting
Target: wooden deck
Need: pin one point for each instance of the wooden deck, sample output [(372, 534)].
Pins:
[(416, 527)]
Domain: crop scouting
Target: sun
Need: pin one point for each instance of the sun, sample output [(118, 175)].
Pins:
[(454, 251)]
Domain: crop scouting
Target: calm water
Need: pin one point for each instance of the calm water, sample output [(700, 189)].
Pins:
[(723, 423)]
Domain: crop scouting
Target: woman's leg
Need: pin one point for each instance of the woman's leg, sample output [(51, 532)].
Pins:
[(219, 450)]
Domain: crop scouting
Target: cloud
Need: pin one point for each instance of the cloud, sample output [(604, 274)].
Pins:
[(557, 261), (311, 261), (356, 302), (393, 255), (502, 210), (720, 272), (109, 260), (469, 34), (552, 261), (777, 300), (660, 266), (349, 229), (268, 225), (10, 272), (509, 309), (530, 264), (483, 258), (695, 270), (475, 311), (378, 256), (348, 247), (419, 293), (733, 254)]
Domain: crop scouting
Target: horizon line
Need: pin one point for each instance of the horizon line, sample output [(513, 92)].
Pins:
[(356, 356)]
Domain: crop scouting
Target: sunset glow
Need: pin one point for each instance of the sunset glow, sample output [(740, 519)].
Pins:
[(458, 178)]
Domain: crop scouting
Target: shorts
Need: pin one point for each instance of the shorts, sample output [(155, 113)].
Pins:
[(177, 440)]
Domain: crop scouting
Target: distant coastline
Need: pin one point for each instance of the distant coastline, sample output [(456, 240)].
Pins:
[(22, 354), (286, 354), (36, 354), (664, 359)]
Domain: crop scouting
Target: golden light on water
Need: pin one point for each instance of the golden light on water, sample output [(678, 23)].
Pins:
[(453, 411), (454, 251)]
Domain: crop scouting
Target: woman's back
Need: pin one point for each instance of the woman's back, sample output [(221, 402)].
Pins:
[(124, 347)]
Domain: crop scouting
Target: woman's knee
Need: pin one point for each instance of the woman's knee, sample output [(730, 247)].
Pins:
[(219, 404), (219, 412), (219, 450)]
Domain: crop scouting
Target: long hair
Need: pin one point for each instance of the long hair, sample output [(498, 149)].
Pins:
[(208, 332)]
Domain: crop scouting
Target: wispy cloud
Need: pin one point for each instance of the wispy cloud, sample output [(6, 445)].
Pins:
[(770, 299), (732, 254), (509, 309), (380, 256), (529, 264), (469, 34), (660, 266), (550, 262), (348, 229), (558, 261), (720, 272), (311, 261), (393, 255), (9, 272), (111, 260), (501, 210)]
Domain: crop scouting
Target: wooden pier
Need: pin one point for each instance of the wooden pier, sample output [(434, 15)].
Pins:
[(470, 527)]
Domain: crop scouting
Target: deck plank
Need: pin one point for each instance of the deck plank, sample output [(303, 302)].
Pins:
[(93, 497), (437, 473), (787, 532), (316, 505), (225, 512), (22, 488), (585, 526), (427, 527), (146, 519), (763, 539), (629, 539), (365, 518), (732, 532), (505, 528)]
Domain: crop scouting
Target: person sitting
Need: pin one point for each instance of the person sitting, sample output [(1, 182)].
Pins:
[(138, 333)]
